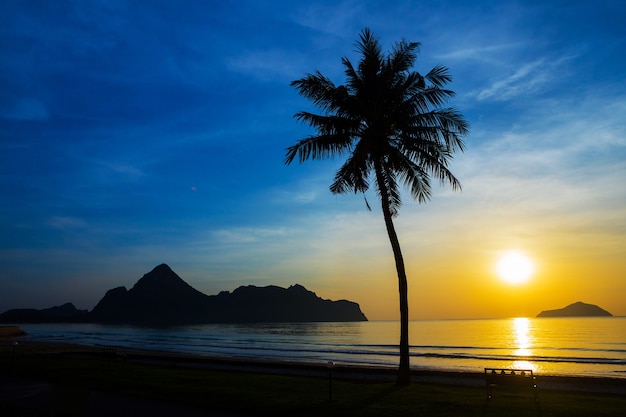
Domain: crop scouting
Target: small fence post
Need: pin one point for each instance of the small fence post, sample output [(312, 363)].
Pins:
[(330, 365)]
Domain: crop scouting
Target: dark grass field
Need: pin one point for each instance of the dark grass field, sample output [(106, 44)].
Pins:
[(44, 380)]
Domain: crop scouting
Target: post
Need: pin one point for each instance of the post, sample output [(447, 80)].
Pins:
[(330, 365)]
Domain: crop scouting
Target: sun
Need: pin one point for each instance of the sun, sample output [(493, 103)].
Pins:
[(514, 267)]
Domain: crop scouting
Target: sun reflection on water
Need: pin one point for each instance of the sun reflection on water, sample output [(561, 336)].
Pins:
[(523, 343)]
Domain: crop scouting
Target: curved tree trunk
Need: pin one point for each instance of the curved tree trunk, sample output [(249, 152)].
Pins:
[(404, 370)]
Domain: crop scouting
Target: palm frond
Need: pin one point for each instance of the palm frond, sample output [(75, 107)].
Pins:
[(318, 147), (439, 76), (328, 125), (367, 204), (351, 177), (430, 97), (320, 90), (433, 159), (402, 56), (372, 55), (413, 84), (417, 180)]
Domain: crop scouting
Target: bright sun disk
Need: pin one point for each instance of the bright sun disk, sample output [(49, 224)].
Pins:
[(515, 267)]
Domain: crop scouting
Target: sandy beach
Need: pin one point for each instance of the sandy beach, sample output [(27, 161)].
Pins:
[(42, 394)]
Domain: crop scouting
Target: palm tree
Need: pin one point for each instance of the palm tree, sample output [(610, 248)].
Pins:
[(389, 122)]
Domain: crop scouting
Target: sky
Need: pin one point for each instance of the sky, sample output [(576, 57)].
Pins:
[(137, 133)]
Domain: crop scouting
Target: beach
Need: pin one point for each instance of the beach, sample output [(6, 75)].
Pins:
[(39, 390)]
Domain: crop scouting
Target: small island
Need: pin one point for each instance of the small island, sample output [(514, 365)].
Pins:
[(578, 309)]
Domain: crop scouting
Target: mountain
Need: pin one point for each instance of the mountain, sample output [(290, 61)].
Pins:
[(161, 297), (57, 314), (276, 304), (578, 309)]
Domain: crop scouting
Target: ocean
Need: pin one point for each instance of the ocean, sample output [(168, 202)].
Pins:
[(548, 346)]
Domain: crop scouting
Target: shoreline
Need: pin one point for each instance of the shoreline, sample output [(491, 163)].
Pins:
[(605, 385)]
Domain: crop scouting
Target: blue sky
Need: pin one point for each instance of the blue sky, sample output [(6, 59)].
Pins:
[(135, 133)]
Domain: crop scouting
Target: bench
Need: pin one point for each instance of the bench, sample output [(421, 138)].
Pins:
[(111, 354), (521, 378)]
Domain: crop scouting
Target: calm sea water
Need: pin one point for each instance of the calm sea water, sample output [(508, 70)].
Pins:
[(549, 346)]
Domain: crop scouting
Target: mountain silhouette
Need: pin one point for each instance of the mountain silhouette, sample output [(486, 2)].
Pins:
[(272, 304), (162, 298), (578, 309), (56, 314), (159, 297)]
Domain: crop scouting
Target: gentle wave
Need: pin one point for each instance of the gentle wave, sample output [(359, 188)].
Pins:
[(273, 349), (581, 360)]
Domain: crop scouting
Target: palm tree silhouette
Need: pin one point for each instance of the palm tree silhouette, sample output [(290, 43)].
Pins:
[(389, 122)]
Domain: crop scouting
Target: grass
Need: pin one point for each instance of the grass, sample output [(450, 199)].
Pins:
[(249, 393)]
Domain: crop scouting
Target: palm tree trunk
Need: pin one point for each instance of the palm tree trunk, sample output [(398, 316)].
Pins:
[(404, 370)]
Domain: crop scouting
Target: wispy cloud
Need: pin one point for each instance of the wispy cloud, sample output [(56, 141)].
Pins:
[(528, 79), (525, 80), (487, 53)]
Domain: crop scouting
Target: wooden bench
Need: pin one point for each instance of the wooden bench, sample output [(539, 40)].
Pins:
[(521, 378)]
